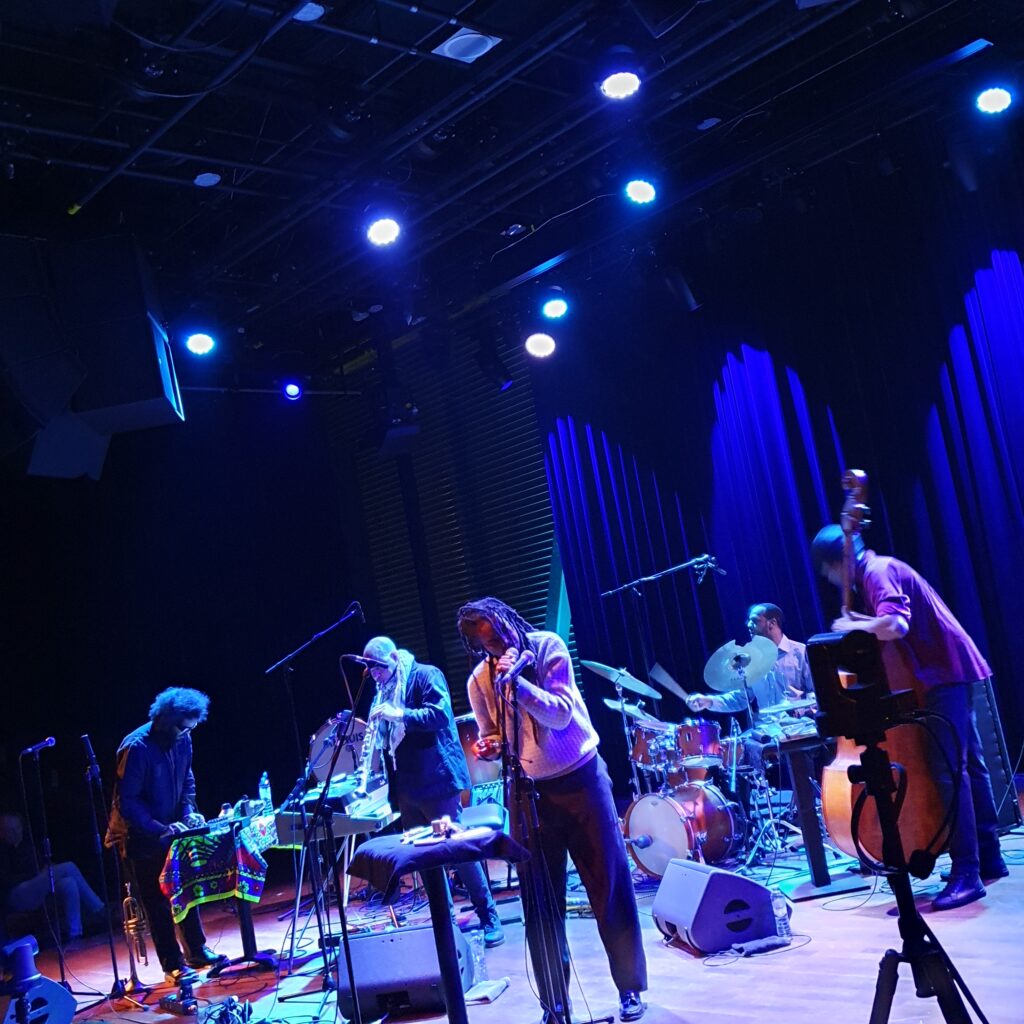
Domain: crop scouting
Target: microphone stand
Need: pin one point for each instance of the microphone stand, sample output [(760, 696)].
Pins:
[(702, 564), (48, 865), (319, 818), (94, 786), (285, 664), (548, 925)]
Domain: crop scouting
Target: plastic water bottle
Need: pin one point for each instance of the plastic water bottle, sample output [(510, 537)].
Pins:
[(781, 910), (477, 954), (265, 796)]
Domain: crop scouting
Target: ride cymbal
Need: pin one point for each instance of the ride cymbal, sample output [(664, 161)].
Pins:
[(722, 672)]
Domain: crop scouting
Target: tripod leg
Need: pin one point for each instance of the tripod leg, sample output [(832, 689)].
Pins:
[(946, 993), (885, 987)]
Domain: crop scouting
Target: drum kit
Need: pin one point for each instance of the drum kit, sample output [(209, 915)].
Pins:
[(687, 777)]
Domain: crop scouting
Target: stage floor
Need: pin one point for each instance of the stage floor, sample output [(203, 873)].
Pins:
[(830, 967)]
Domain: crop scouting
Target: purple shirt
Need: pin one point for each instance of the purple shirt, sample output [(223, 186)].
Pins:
[(936, 649)]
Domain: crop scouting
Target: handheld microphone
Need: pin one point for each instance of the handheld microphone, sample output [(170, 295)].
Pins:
[(524, 659), (36, 747)]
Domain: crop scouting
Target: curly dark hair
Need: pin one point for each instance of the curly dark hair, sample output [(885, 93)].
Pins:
[(504, 620), (180, 702)]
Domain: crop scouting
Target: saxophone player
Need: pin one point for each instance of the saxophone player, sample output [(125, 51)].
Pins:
[(411, 722)]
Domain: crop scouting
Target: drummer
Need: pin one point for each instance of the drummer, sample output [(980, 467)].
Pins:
[(789, 679)]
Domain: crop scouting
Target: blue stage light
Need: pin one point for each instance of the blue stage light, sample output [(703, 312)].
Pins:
[(640, 191), (540, 346), (620, 85), (200, 344), (292, 391), (994, 101), (555, 309), (383, 231)]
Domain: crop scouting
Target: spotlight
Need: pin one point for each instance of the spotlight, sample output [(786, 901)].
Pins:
[(994, 101), (619, 74), (292, 391), (540, 346), (620, 85), (555, 304), (206, 179), (383, 231), (311, 12), (493, 368), (640, 192), (200, 344)]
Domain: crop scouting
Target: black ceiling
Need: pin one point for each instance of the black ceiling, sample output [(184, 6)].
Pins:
[(110, 109)]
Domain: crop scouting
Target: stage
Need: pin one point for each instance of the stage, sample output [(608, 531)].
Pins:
[(830, 967)]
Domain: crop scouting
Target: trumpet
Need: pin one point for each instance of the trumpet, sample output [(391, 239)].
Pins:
[(134, 929)]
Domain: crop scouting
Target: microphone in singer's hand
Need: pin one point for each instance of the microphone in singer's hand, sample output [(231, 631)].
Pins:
[(524, 659)]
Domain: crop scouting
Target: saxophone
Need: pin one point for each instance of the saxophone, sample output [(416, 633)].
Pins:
[(384, 695)]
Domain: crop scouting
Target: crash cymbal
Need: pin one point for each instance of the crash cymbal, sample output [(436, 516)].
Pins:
[(632, 710), (722, 672), (788, 705), (666, 682), (620, 677)]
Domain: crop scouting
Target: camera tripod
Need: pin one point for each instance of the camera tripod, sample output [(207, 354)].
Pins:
[(934, 973)]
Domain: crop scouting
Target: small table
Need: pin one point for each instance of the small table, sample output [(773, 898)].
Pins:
[(382, 862), (799, 752)]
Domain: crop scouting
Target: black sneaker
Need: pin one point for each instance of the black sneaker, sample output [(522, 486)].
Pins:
[(631, 1006), (206, 958), (959, 892)]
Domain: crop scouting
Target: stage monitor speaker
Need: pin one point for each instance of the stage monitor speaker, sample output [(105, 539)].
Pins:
[(710, 909), (397, 970), (997, 757), (46, 1002)]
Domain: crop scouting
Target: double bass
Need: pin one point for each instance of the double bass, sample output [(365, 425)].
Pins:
[(922, 813)]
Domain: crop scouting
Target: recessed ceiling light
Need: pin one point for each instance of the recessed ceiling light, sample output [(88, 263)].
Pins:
[(206, 179), (466, 45)]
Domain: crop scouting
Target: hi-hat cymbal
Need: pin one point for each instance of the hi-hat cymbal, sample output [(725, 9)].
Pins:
[(788, 705), (632, 710), (722, 672), (620, 677)]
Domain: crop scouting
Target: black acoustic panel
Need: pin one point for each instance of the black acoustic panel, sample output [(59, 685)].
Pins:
[(997, 757), (710, 909), (397, 970)]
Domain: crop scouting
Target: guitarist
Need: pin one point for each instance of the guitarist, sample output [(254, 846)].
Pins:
[(412, 723), (926, 649)]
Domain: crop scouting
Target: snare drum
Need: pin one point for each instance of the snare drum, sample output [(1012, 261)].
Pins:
[(693, 818)]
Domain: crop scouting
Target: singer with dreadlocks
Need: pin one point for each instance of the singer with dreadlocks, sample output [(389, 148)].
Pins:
[(556, 746)]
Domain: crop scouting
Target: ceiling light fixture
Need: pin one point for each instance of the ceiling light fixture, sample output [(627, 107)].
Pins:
[(994, 100), (540, 345)]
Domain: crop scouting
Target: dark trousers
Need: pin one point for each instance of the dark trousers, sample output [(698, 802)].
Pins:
[(976, 829), (144, 873), (576, 817), (422, 811)]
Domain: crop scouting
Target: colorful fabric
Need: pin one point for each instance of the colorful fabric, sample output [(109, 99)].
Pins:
[(225, 863)]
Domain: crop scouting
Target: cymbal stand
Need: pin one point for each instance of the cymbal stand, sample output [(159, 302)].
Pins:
[(625, 730)]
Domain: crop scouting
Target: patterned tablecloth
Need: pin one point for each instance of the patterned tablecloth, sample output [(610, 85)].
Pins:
[(226, 862)]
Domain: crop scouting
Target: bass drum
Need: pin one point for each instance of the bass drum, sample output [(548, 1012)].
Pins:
[(326, 738), (696, 818)]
